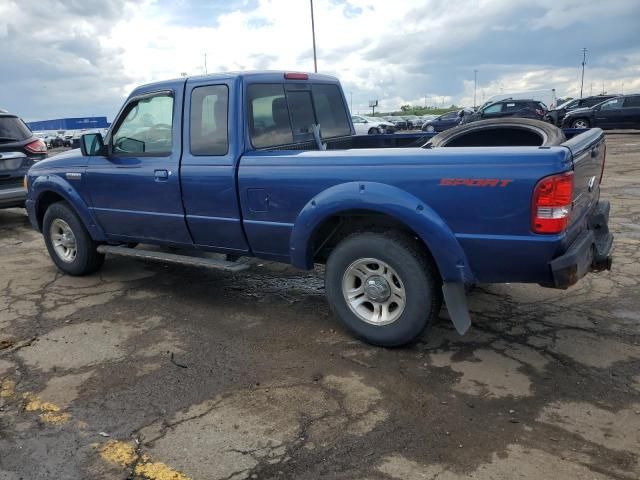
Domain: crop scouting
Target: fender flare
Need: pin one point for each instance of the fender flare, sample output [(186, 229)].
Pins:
[(386, 199), (56, 184)]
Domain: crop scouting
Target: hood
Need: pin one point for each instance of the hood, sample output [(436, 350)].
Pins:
[(70, 158)]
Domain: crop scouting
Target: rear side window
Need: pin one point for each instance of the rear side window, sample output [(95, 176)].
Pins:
[(631, 102), (209, 112), (13, 129), (269, 123), (513, 106), (330, 111)]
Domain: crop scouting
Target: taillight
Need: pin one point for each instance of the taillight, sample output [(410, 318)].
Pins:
[(37, 146), (551, 206)]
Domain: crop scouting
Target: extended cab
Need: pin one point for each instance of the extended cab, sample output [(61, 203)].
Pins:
[(266, 164)]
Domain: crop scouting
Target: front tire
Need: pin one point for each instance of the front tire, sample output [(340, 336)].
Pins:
[(69, 244), (374, 131), (580, 123), (383, 287)]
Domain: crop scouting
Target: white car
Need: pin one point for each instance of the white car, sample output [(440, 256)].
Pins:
[(371, 125)]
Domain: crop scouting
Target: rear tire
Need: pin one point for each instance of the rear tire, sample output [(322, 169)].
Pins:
[(580, 123), (383, 287), (69, 244), (374, 131), (500, 132)]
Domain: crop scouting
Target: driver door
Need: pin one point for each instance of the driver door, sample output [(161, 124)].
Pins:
[(135, 188)]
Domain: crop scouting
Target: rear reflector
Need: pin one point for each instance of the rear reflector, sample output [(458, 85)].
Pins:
[(37, 146), (296, 76), (552, 199)]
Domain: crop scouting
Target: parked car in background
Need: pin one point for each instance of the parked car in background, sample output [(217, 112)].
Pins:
[(442, 123), (399, 122), (371, 125), (618, 112), (556, 115), (19, 150), (509, 108), (413, 122), (546, 96)]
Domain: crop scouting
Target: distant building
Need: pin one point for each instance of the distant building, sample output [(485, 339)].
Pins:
[(69, 124)]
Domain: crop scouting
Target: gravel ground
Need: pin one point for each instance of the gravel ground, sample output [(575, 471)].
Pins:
[(157, 372)]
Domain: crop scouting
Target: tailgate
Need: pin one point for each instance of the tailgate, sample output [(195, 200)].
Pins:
[(588, 154)]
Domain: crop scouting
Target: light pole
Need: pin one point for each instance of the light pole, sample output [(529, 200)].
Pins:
[(475, 86), (313, 34), (584, 60)]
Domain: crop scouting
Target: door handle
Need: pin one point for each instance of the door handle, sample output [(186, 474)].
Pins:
[(161, 175)]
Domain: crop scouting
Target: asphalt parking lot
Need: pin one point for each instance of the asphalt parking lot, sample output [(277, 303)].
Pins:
[(157, 372)]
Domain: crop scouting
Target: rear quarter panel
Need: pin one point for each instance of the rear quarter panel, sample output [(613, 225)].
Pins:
[(491, 223)]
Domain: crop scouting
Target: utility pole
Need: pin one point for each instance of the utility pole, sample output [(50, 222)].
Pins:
[(475, 86), (584, 60), (313, 34), (205, 64)]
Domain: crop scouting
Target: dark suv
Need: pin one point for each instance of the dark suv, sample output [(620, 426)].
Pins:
[(19, 149), (618, 112), (556, 115), (509, 108)]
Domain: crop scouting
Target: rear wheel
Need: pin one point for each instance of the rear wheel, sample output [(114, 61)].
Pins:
[(383, 287), (374, 131), (69, 244), (580, 123)]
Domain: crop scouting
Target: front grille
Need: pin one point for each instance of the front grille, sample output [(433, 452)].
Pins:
[(10, 182)]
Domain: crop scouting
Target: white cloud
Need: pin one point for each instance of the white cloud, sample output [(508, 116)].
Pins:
[(396, 52)]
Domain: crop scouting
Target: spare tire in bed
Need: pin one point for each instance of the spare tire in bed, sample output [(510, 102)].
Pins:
[(500, 132)]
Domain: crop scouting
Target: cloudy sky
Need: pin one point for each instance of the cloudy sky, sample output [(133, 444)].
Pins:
[(61, 58)]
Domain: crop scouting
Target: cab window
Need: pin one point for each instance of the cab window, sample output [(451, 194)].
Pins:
[(209, 112), (146, 128)]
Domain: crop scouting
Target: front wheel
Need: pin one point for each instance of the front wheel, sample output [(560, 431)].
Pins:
[(374, 131), (68, 242), (580, 123), (383, 287), (429, 128)]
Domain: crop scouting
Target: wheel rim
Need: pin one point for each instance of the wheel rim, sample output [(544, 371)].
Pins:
[(430, 128), (63, 240), (374, 291), (580, 124)]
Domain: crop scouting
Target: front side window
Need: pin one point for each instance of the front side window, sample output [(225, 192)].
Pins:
[(449, 116), (495, 108), (269, 123), (357, 119), (612, 104), (146, 128), (209, 112)]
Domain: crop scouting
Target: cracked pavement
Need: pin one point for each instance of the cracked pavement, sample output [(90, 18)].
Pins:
[(149, 371)]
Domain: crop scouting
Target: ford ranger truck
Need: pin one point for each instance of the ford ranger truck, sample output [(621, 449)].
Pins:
[(266, 165)]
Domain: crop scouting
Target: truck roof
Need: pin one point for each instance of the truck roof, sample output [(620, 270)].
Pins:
[(252, 75)]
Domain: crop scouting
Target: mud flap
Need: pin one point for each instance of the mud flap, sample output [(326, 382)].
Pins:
[(456, 299)]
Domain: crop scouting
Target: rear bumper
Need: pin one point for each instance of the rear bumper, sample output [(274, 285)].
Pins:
[(589, 252), (12, 197)]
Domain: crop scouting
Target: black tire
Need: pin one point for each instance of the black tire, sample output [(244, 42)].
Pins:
[(87, 259), (415, 269), (374, 131), (500, 132), (577, 123)]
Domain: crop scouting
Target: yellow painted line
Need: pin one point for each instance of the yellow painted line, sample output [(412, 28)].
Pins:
[(49, 412), (7, 388), (124, 454)]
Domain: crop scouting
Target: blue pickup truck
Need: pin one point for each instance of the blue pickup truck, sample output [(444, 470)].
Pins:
[(266, 164)]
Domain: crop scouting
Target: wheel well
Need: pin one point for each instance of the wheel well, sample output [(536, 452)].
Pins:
[(44, 202), (337, 227)]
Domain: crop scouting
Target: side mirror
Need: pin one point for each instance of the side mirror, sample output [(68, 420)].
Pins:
[(92, 144), (365, 121)]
